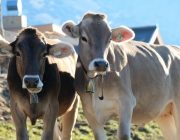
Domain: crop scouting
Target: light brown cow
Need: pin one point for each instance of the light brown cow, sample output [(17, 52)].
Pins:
[(41, 86), (140, 82)]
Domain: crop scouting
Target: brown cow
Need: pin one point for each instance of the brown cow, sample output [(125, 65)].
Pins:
[(41, 86), (140, 82)]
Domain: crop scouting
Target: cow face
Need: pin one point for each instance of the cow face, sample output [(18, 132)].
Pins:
[(30, 49), (95, 37)]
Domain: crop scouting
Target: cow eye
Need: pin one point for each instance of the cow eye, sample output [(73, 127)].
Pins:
[(17, 54), (44, 55), (84, 39)]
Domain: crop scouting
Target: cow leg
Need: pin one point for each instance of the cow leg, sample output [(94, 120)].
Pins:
[(57, 135), (19, 119), (167, 126), (49, 120), (176, 115), (97, 128), (125, 117), (69, 120)]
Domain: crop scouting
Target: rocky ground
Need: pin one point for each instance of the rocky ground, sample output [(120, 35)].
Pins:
[(4, 100)]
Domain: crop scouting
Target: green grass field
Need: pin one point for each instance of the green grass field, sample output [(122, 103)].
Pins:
[(82, 131)]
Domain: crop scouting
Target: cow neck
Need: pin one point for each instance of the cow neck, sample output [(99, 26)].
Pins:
[(85, 71), (90, 84)]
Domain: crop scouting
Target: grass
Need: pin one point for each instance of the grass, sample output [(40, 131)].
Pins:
[(82, 131)]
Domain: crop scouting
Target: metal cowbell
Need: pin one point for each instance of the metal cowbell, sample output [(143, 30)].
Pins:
[(90, 86)]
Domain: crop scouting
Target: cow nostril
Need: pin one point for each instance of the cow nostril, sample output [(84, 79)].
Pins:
[(36, 81), (96, 64), (26, 81), (106, 65)]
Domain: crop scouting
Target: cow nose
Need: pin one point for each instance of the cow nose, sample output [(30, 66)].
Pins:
[(31, 82), (101, 65)]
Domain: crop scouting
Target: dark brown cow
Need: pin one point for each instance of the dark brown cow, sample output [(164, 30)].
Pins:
[(140, 82), (41, 86)]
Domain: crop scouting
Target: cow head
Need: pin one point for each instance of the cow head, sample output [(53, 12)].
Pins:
[(30, 49), (95, 37)]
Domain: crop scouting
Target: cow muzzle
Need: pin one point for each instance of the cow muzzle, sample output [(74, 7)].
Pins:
[(32, 83), (99, 65)]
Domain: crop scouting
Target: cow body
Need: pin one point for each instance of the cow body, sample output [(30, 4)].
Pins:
[(57, 96), (140, 81)]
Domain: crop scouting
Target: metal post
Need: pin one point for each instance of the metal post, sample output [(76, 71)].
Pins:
[(1, 28)]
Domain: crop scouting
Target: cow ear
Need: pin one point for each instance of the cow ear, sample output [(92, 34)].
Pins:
[(122, 34), (70, 29), (5, 47), (61, 50)]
